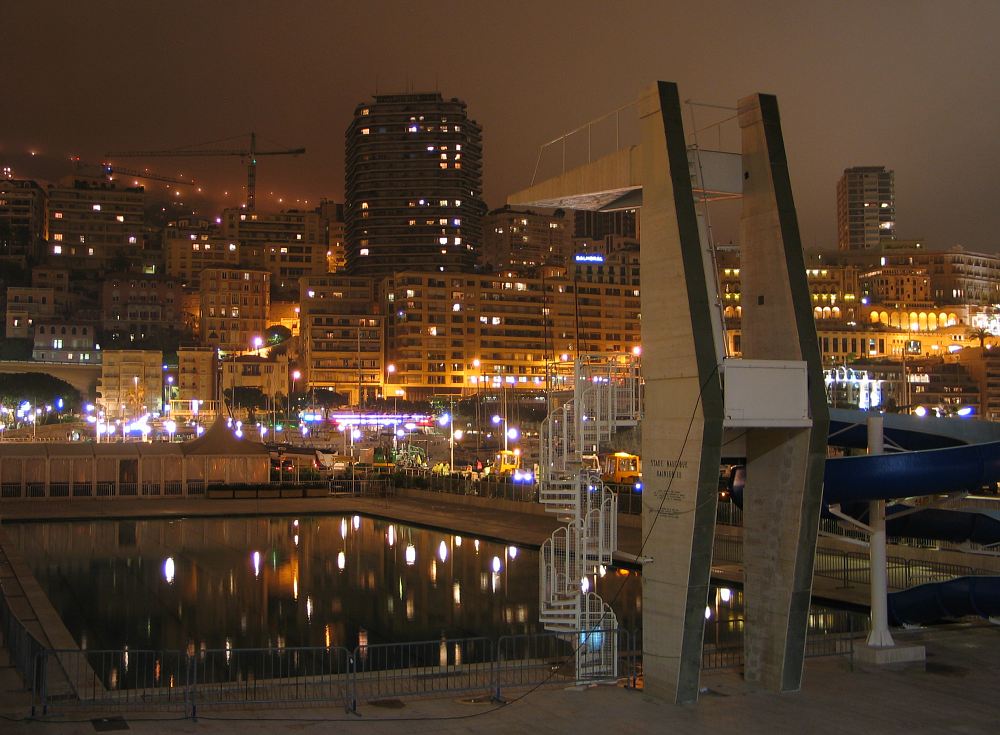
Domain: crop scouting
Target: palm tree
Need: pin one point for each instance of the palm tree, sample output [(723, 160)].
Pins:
[(980, 333)]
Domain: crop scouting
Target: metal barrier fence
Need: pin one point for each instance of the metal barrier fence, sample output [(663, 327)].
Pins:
[(831, 633), (385, 670), (853, 567), (22, 646), (186, 681)]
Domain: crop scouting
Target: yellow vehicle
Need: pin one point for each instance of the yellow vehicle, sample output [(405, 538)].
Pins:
[(506, 461), (621, 468)]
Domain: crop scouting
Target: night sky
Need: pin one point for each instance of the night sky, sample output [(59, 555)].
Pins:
[(911, 85)]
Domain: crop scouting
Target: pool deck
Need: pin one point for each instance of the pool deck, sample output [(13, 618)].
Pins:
[(955, 693)]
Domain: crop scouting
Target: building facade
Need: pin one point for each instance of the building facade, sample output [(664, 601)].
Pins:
[(524, 239), (65, 342), (22, 219), (413, 186), (235, 307), (93, 223), (866, 207), (131, 383), (342, 332)]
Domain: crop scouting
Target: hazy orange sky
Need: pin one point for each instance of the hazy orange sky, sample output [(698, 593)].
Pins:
[(910, 85)]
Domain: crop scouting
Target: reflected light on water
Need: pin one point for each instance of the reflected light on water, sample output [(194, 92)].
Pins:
[(391, 535), (443, 552), (497, 566), (168, 570), (456, 593), (512, 552), (343, 528), (458, 541), (356, 522), (256, 563), (411, 555), (341, 561)]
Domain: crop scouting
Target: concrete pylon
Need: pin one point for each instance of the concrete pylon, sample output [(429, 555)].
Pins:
[(682, 425), (784, 465)]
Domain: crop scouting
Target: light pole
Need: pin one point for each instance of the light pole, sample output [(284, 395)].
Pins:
[(295, 376), (503, 420), (390, 370)]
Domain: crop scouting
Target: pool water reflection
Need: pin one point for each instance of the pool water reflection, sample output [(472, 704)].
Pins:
[(308, 581)]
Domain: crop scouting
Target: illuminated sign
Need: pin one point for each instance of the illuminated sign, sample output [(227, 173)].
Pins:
[(589, 258)]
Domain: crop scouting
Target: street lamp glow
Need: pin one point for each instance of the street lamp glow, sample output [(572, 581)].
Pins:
[(497, 419), (444, 419), (512, 433)]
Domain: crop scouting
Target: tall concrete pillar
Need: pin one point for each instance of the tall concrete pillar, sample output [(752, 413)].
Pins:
[(682, 425), (784, 465)]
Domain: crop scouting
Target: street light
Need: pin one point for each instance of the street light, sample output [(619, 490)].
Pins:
[(258, 343), (295, 376)]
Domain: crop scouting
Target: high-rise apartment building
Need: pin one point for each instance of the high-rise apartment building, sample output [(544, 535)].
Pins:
[(342, 336), (93, 223), (22, 219), (866, 207), (414, 177), (515, 238), (598, 225), (235, 305)]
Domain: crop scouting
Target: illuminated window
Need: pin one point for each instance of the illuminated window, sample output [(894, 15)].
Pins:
[(458, 241), (120, 217), (298, 235), (57, 249), (365, 131), (131, 241), (232, 247), (90, 251), (284, 250), (57, 237), (458, 147), (442, 165), (364, 205), (363, 251), (443, 240), (364, 111), (97, 207), (195, 246), (58, 215), (443, 203)]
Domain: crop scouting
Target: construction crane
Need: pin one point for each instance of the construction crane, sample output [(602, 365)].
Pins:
[(251, 153), (110, 172)]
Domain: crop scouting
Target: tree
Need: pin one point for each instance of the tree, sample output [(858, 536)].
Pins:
[(980, 333), (37, 389), (277, 333)]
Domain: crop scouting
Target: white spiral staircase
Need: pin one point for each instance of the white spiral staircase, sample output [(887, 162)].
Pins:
[(605, 395)]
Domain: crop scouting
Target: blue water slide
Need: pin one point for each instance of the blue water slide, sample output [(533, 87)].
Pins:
[(868, 477), (937, 602), (910, 474)]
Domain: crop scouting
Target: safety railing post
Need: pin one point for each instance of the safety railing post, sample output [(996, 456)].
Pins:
[(352, 680)]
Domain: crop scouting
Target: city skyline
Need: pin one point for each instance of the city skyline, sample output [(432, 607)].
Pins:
[(296, 76)]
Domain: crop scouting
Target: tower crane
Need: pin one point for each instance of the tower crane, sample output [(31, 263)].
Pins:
[(250, 153), (111, 171)]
